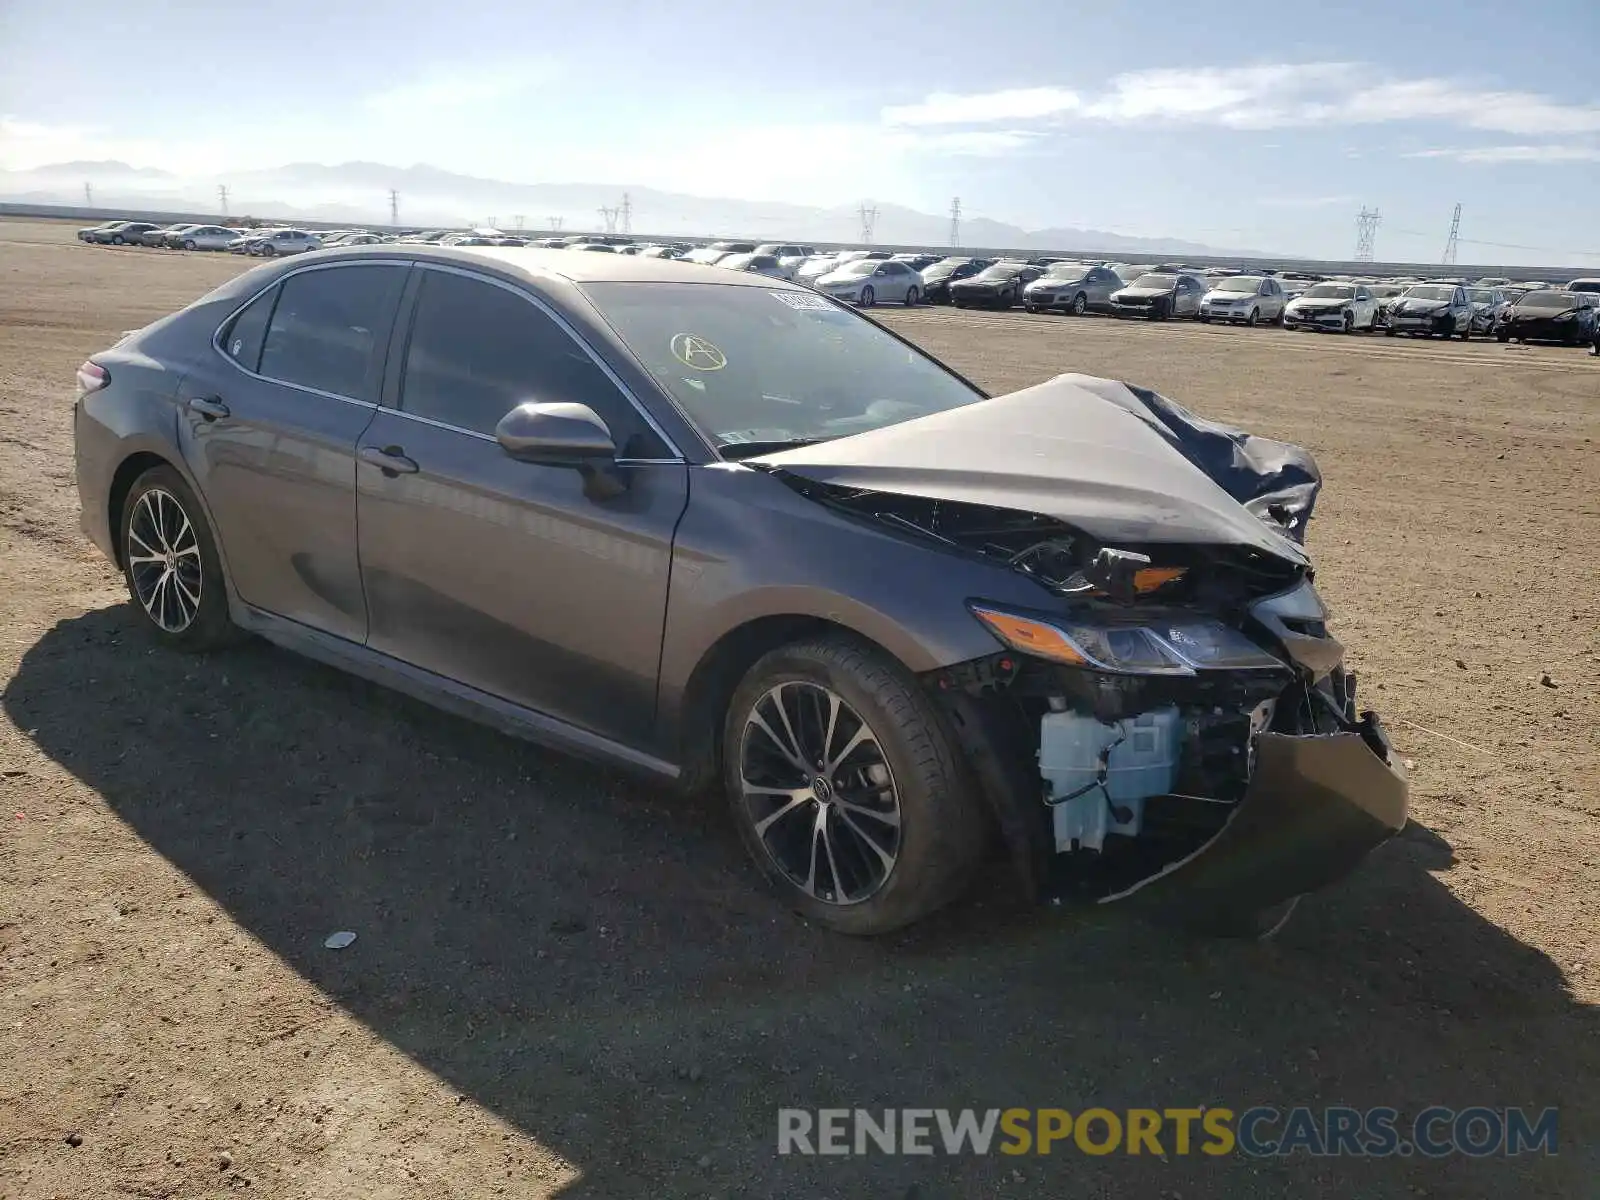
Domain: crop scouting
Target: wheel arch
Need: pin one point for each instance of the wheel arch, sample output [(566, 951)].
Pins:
[(128, 470), (724, 664)]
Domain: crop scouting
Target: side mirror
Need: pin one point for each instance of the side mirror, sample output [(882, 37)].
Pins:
[(564, 435)]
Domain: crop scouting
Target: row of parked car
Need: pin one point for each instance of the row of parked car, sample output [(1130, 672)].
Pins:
[(1523, 311)]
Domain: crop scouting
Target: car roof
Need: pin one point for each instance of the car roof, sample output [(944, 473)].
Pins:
[(578, 268)]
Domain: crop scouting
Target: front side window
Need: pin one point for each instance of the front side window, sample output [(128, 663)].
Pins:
[(752, 367), (477, 351), (328, 327)]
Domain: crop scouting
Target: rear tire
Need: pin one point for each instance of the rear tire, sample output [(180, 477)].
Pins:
[(868, 297), (170, 564), (913, 297), (905, 766)]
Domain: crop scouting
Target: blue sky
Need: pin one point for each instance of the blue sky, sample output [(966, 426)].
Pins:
[(1246, 125)]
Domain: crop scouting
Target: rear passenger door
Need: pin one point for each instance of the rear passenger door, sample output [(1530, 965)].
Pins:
[(503, 574), (268, 422)]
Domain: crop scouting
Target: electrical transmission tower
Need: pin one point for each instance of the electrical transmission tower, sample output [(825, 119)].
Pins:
[(222, 198), (626, 213), (88, 194), (1367, 221), (955, 222), (394, 207), (609, 216), (555, 224), (869, 218), (519, 222), (1449, 258)]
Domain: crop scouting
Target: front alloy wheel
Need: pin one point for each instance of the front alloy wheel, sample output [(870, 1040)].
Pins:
[(847, 790), (819, 792), (1080, 304)]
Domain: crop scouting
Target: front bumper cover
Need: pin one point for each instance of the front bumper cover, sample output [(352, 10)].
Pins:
[(1316, 805)]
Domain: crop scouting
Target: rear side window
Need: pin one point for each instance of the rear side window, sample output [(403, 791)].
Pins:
[(241, 341), (329, 327), (477, 351)]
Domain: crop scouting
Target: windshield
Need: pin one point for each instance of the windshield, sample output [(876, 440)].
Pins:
[(1384, 291), (940, 269), (1065, 271), (1481, 296), (1155, 281), (861, 266), (749, 365), (999, 271), (1330, 291), (1240, 283), (1546, 299), (1431, 293)]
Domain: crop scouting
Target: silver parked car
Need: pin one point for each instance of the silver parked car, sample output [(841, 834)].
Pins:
[(201, 237), (757, 264), (865, 281), (1244, 298), (1073, 287)]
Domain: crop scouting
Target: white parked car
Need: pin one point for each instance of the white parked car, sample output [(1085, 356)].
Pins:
[(815, 268), (1247, 298), (1340, 307), (866, 281)]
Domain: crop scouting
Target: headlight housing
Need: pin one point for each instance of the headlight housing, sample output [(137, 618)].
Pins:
[(1182, 646)]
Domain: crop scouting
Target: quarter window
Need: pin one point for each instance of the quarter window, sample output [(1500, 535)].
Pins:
[(241, 341), (329, 326), (477, 351)]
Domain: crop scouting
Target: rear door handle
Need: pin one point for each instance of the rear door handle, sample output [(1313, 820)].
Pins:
[(391, 460), (209, 407)]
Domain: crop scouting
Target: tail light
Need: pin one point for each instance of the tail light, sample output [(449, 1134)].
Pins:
[(92, 377)]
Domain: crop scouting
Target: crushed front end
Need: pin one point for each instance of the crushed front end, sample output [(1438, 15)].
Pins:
[(1175, 730)]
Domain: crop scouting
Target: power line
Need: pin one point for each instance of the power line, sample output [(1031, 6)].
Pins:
[(955, 222), (1453, 242), (1366, 233)]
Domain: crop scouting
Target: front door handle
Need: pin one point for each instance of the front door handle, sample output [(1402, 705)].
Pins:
[(208, 407), (391, 460)]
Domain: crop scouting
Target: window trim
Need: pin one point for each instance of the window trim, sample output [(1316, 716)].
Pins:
[(409, 311), (216, 336)]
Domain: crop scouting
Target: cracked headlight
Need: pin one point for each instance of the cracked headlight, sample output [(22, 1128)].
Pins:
[(1164, 648)]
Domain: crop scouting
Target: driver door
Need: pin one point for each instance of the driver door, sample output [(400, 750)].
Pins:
[(502, 574)]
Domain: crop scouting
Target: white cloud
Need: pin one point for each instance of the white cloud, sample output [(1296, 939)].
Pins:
[(1012, 104), (1269, 96), (458, 88), (1553, 152)]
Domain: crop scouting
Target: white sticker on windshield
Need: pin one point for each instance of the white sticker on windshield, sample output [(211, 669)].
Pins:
[(804, 301)]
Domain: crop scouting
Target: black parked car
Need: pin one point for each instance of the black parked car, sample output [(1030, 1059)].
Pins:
[(720, 530), (123, 233), (1549, 316), (936, 280), (999, 286)]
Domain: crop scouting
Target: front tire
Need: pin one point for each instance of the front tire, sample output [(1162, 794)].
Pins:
[(170, 563), (1349, 323), (887, 829), (1254, 318), (1080, 304), (117, 240), (269, 251), (188, 244)]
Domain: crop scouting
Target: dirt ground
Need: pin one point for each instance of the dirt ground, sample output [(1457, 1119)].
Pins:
[(566, 983)]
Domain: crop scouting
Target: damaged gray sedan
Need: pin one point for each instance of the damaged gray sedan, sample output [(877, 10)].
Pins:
[(724, 531)]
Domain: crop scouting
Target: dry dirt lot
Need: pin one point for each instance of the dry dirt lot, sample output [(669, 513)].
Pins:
[(568, 984)]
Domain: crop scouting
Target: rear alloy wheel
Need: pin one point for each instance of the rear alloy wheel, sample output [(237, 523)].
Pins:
[(913, 297), (868, 297), (1080, 304), (847, 791), (170, 563)]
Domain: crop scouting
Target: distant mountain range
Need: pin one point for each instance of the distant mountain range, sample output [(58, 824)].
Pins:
[(357, 192)]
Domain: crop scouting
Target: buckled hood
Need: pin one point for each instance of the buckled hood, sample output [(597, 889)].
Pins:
[(1122, 464)]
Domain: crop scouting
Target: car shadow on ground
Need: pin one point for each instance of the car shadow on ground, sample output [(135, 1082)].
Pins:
[(592, 959)]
